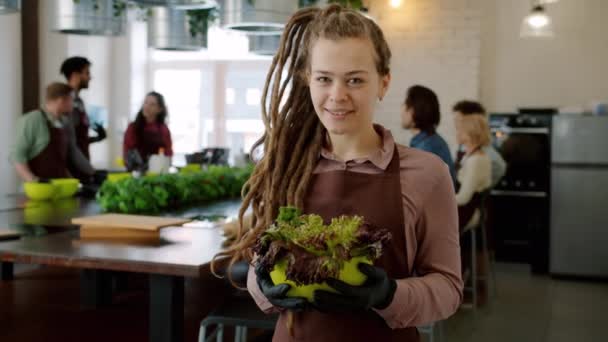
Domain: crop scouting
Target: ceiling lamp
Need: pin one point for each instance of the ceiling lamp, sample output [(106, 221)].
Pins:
[(264, 44), (9, 6), (89, 17), (395, 3), (255, 16), (537, 24), (177, 29), (178, 4)]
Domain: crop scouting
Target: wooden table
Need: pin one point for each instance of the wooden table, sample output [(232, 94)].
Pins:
[(183, 252)]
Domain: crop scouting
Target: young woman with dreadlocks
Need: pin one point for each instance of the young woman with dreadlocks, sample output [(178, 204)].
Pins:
[(323, 153)]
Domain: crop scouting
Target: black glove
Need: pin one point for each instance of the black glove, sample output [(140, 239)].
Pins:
[(44, 180), (377, 292), (101, 133), (276, 294)]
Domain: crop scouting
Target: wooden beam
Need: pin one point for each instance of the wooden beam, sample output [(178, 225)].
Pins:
[(30, 54)]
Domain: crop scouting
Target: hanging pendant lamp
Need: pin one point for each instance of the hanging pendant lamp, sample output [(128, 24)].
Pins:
[(89, 17), (177, 29), (178, 4), (9, 6), (537, 24), (251, 16), (264, 44)]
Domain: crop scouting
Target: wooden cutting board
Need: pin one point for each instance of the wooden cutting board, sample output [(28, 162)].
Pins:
[(8, 234), (124, 221)]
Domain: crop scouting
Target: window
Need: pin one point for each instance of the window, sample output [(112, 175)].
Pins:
[(213, 101), (254, 96), (181, 90), (230, 96)]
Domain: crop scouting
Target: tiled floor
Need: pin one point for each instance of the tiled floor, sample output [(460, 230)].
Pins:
[(535, 309), (527, 309)]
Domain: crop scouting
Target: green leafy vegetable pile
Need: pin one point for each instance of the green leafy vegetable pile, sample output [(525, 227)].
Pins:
[(315, 251), (152, 194)]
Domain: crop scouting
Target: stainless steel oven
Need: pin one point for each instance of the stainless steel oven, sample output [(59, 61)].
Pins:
[(520, 201)]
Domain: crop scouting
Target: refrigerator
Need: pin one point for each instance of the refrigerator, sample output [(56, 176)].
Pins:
[(579, 196)]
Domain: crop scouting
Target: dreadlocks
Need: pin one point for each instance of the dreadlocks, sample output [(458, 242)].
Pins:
[(293, 133)]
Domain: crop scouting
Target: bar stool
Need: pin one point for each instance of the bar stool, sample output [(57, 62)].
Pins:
[(238, 310), (429, 330), (470, 275), (490, 277), (480, 225)]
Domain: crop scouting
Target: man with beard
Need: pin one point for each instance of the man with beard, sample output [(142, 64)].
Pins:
[(78, 75)]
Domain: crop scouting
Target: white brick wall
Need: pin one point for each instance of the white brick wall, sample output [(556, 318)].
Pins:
[(435, 43)]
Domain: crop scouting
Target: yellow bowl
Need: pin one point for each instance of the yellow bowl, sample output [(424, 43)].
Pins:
[(39, 191), (349, 274), (38, 212), (65, 187), (119, 161), (115, 177)]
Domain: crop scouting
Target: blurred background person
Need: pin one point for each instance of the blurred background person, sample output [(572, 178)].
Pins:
[(465, 108), (148, 134), (76, 71), (420, 115), (44, 144), (474, 174)]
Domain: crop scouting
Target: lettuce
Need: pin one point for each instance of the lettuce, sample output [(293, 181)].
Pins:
[(315, 251)]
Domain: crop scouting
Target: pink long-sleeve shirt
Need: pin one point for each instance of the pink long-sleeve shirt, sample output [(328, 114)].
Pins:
[(434, 292)]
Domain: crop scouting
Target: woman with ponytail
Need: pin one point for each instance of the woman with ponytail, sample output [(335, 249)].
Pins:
[(323, 153)]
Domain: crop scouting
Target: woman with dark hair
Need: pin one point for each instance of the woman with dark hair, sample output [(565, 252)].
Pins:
[(420, 114), (149, 134)]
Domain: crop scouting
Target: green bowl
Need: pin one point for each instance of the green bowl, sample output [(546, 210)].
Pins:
[(39, 191), (349, 274), (65, 187)]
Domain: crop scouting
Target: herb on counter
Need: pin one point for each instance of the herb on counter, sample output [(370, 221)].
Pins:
[(153, 194)]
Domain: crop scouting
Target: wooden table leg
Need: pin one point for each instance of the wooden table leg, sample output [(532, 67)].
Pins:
[(95, 288), (6, 270), (166, 308)]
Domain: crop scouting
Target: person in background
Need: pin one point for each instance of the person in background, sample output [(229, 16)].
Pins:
[(474, 175), (465, 108), (43, 145), (420, 114), (78, 75), (149, 134)]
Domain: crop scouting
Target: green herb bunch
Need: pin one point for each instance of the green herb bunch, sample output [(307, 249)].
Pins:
[(152, 194)]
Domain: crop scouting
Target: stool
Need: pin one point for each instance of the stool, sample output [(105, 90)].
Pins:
[(429, 329), (490, 261), (240, 312)]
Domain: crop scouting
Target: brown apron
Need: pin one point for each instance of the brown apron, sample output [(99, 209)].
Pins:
[(52, 161), (377, 197), (152, 142), (81, 127)]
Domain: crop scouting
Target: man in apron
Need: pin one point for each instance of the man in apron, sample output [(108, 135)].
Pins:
[(44, 143), (78, 75)]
